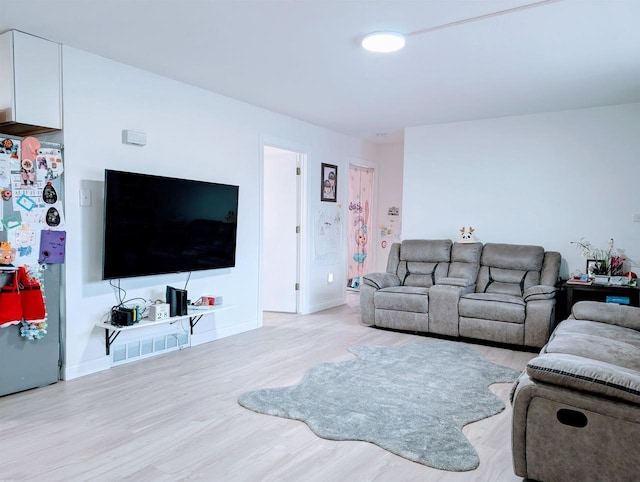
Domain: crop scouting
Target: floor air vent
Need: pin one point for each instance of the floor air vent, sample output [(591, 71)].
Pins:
[(147, 347)]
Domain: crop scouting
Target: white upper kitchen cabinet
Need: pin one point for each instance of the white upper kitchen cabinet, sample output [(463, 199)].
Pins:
[(30, 84)]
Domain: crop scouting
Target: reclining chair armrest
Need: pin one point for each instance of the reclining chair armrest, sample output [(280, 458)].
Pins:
[(540, 314), (612, 313), (381, 280), (539, 292), (521, 393), (444, 315), (539, 321), (550, 268), (586, 375), (370, 285)]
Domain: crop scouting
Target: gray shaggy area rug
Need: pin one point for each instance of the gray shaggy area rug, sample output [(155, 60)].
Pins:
[(411, 400)]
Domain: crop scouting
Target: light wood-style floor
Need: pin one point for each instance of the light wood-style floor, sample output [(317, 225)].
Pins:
[(175, 416)]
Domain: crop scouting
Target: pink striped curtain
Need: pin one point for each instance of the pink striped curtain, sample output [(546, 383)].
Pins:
[(359, 218)]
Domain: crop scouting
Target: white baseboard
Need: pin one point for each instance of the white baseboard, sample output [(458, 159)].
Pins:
[(326, 305), (216, 334), (93, 366)]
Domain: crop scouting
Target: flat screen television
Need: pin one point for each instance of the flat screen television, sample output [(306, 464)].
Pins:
[(157, 225)]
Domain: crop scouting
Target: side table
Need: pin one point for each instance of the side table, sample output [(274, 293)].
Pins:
[(574, 293)]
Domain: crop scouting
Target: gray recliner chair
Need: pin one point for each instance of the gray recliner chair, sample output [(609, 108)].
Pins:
[(514, 299), (576, 407)]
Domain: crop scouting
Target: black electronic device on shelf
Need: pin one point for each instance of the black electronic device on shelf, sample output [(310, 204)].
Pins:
[(122, 316), (177, 300), (156, 225)]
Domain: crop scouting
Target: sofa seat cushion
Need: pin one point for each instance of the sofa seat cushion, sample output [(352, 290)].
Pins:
[(492, 306), (403, 298), (607, 343)]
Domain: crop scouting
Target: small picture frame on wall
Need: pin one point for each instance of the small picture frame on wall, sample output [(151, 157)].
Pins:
[(329, 183)]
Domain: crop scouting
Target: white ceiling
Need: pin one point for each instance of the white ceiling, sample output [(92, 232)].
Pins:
[(302, 57)]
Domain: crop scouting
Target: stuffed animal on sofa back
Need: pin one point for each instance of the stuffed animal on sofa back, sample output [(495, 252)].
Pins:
[(467, 236)]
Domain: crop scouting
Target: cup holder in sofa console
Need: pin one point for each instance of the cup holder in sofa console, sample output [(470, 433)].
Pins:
[(572, 418)]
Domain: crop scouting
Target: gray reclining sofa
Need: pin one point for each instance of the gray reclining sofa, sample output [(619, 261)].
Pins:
[(576, 407), (503, 293)]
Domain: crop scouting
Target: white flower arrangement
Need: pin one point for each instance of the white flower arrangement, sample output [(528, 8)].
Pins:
[(607, 261)]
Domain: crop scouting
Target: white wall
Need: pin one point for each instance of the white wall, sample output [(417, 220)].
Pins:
[(545, 179), (389, 189), (192, 134)]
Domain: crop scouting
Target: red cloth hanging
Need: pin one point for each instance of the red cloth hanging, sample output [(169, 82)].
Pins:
[(31, 297), (10, 305)]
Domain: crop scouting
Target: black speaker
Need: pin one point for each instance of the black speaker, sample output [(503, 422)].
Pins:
[(177, 300)]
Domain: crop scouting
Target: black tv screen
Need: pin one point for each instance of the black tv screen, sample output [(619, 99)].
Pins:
[(157, 225)]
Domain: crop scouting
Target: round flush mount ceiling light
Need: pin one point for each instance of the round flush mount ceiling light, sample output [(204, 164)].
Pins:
[(383, 41)]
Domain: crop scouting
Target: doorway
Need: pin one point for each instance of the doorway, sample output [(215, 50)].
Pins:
[(281, 230), (359, 230)]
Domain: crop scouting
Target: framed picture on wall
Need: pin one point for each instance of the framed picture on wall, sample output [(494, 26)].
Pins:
[(329, 183), (596, 267)]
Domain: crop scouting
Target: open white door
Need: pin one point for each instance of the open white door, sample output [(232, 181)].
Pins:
[(280, 265)]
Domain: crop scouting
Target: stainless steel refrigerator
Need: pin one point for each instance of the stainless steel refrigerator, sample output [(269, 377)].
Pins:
[(25, 363)]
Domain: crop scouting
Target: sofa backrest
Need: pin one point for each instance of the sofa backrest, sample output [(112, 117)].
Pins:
[(394, 258), (465, 261), (423, 262), (509, 268)]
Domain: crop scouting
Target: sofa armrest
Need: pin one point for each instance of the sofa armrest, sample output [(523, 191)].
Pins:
[(550, 268), (461, 282), (444, 315), (381, 280), (539, 292), (586, 375), (614, 314)]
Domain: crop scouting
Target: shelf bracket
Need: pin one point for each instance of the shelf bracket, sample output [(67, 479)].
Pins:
[(109, 338), (193, 321)]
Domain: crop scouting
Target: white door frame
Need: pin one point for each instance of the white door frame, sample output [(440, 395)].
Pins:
[(302, 152)]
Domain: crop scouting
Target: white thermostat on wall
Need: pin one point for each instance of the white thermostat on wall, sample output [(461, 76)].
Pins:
[(159, 311)]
